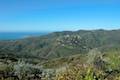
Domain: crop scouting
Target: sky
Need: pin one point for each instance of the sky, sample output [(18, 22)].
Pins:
[(58, 15)]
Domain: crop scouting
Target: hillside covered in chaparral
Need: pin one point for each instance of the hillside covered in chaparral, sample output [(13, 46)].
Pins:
[(67, 55)]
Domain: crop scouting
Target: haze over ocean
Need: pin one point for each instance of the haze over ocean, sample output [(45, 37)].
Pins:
[(19, 35)]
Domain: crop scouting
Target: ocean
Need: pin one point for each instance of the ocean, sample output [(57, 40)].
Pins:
[(19, 35)]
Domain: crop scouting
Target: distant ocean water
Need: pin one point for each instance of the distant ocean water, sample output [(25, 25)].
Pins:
[(19, 35)]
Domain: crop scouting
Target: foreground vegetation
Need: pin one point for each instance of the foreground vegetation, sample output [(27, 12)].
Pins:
[(92, 66)]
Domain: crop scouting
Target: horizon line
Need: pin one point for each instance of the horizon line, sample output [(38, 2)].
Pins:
[(43, 31)]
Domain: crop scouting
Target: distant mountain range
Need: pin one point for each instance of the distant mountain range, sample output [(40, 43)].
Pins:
[(61, 44)]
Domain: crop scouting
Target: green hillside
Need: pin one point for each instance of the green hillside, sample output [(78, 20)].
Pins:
[(78, 55), (61, 44)]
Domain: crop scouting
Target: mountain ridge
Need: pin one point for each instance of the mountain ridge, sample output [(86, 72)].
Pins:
[(61, 44)]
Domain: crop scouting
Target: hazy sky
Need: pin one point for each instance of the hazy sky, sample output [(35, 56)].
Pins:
[(58, 15)]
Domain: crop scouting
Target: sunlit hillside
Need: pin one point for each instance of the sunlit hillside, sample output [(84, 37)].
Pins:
[(79, 55)]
